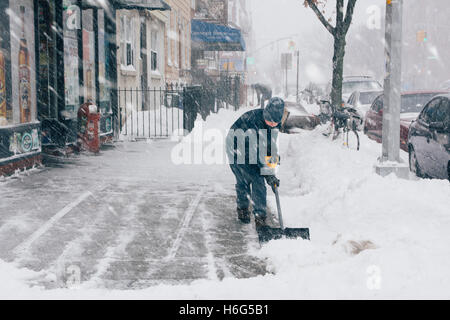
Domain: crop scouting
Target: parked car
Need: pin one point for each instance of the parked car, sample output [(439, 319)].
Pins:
[(445, 85), (298, 118), (362, 100), (351, 84), (411, 105), (429, 140)]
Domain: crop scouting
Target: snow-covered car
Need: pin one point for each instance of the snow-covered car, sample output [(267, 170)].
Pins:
[(362, 100), (351, 84), (298, 118), (429, 140), (412, 104), (445, 85)]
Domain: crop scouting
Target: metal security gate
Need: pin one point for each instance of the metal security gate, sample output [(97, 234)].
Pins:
[(150, 113)]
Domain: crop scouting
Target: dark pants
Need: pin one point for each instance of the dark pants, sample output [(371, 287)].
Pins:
[(250, 184)]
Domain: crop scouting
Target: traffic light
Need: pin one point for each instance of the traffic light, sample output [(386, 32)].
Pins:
[(422, 36), (291, 45)]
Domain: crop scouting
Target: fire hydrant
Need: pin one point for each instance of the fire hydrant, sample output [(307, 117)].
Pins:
[(88, 127)]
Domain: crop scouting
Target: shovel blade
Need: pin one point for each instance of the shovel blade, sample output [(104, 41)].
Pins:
[(266, 233)]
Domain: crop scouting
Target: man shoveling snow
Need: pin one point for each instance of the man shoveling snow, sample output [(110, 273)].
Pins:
[(253, 155)]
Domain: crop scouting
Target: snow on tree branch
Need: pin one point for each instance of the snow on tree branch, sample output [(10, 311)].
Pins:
[(349, 14), (313, 4)]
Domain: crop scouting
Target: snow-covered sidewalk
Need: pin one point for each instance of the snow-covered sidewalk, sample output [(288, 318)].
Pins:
[(371, 237)]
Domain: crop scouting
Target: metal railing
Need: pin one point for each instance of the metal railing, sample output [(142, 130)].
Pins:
[(151, 112), (172, 110)]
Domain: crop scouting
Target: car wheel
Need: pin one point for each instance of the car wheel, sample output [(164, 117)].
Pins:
[(414, 164), (448, 170)]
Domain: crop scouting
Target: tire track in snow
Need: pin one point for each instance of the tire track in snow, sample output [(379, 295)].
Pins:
[(212, 270), (123, 239), (25, 246), (185, 224)]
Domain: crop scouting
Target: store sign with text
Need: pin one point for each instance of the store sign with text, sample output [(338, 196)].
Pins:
[(24, 142)]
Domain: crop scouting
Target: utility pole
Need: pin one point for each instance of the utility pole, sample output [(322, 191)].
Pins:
[(298, 72), (390, 161), (286, 74)]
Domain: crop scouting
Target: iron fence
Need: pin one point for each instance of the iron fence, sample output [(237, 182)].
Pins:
[(172, 110), (151, 112)]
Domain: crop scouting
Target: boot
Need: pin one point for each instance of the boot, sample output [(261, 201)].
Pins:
[(244, 215), (260, 221)]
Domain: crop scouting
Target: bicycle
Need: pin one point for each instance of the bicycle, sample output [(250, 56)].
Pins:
[(346, 120)]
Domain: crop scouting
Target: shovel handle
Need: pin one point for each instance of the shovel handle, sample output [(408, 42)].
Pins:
[(280, 217)]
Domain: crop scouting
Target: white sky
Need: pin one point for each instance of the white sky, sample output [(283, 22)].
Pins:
[(275, 19)]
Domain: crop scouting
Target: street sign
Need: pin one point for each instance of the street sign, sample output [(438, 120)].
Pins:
[(286, 61), (291, 45), (250, 61), (422, 36)]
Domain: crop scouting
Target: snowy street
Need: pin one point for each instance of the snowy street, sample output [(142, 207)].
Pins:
[(231, 150), (127, 220)]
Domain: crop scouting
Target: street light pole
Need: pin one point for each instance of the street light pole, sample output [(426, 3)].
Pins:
[(390, 161), (298, 72), (286, 74)]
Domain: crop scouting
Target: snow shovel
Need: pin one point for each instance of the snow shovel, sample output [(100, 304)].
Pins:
[(267, 233)]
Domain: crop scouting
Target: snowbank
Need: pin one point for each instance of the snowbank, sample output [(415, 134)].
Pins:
[(370, 236), (159, 122)]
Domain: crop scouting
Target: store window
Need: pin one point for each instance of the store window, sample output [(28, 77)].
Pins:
[(71, 20), (154, 49), (89, 56), (176, 38), (18, 100), (23, 76), (169, 39), (104, 89), (5, 106), (127, 42)]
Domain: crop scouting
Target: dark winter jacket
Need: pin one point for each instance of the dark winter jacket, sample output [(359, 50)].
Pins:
[(264, 90), (260, 141)]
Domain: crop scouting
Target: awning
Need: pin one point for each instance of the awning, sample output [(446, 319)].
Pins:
[(213, 37), (141, 4), (126, 4)]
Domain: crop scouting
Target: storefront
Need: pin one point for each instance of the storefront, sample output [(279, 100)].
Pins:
[(82, 66), (56, 55), (217, 50), (76, 68), (20, 136)]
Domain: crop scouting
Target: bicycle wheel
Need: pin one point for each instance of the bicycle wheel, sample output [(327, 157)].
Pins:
[(351, 140)]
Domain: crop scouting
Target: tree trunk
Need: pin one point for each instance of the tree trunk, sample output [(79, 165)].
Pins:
[(338, 69)]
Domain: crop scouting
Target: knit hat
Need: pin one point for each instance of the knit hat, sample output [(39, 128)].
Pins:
[(274, 110)]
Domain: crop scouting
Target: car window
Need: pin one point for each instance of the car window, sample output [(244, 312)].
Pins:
[(378, 104), (368, 85), (427, 114), (368, 97), (351, 99), (442, 112), (415, 102)]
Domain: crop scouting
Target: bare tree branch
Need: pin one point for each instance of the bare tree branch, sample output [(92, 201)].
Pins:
[(321, 17), (339, 12), (349, 15)]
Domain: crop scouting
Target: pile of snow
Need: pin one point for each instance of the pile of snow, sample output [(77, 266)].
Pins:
[(158, 122), (371, 237), (205, 144), (13, 281)]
